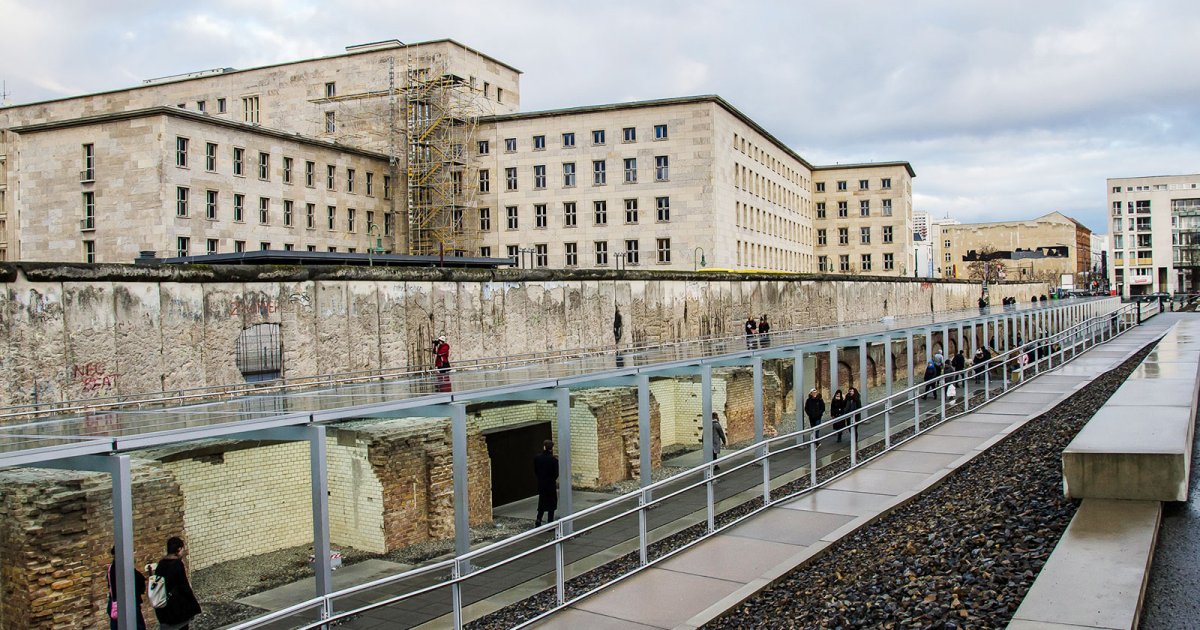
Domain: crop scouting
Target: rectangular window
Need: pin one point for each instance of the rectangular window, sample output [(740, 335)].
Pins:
[(387, 186), (287, 212), (310, 216), (330, 89), (539, 215), (570, 218), (220, 106), (865, 262), (631, 251), (662, 168), (330, 122), (843, 236), (287, 247), (540, 255), (660, 132), (885, 183), (864, 207), (539, 143), (264, 210), (663, 207), (387, 224), (629, 134), (820, 209), (568, 140), (250, 109), (330, 177), (210, 205), (822, 239), (823, 264), (598, 137), (351, 215), (264, 246), (539, 177), (181, 201), (510, 178), (946, 244), (181, 152), (239, 246), (510, 145), (887, 207), (864, 184), (456, 220), (599, 172), (370, 184), (264, 166), (843, 210), (630, 170), (600, 212), (887, 234), (664, 250), (239, 158), (182, 245), (485, 252), (947, 256), (331, 218), (601, 248), (841, 185), (350, 180), (631, 211), (844, 262), (88, 174), (210, 246), (239, 205), (484, 147), (499, 95), (572, 251), (889, 260), (510, 213), (568, 174), (89, 212), (820, 186), (485, 180), (485, 219), (287, 170), (310, 174), (514, 251), (864, 235)]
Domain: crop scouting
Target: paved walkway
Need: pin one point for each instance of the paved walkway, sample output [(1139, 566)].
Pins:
[(707, 579)]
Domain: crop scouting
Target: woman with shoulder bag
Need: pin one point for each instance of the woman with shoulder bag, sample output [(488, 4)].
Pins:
[(181, 604), (139, 587)]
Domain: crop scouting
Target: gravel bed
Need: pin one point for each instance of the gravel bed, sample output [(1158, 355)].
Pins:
[(963, 555)]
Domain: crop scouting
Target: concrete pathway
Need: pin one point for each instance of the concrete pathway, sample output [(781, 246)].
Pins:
[(704, 581)]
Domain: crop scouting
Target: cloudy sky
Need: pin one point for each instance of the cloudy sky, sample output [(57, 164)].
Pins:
[(1005, 109)]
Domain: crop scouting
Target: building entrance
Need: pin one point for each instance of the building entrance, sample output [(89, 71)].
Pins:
[(512, 451)]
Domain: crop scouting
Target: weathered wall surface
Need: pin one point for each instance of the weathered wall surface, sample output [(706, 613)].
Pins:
[(70, 333)]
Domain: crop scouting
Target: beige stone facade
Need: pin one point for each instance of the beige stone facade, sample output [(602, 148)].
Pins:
[(1154, 221), (1042, 249), (864, 218)]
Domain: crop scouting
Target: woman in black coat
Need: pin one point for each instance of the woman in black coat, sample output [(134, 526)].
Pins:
[(853, 403), (837, 407), (181, 602), (814, 408)]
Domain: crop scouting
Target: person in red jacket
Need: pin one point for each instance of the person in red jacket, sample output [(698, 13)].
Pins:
[(441, 352)]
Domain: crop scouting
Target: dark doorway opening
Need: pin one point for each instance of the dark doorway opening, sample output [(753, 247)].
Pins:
[(511, 451)]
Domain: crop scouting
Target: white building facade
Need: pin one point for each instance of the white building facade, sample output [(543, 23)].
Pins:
[(1155, 223)]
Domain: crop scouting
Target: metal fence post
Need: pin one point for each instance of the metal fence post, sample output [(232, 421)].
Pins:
[(712, 507), (641, 530)]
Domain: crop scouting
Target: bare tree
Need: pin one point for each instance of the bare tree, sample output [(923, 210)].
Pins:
[(986, 266)]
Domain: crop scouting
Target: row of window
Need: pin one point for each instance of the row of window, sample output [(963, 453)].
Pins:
[(183, 160), (864, 263), (766, 222), (760, 186), (570, 214), (774, 164), (183, 247), (864, 236), (864, 208), (250, 108), (599, 138), (211, 201), (539, 254), (662, 173), (1142, 224), (759, 256), (1132, 207), (863, 184)]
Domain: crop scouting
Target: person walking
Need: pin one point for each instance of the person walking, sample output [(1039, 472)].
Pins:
[(977, 362), (718, 438), (441, 354), (853, 404), (181, 606), (751, 328), (814, 408), (139, 587), (931, 375), (959, 363), (837, 407), (764, 330), (545, 468)]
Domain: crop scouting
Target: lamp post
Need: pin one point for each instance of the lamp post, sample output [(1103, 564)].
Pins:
[(378, 249)]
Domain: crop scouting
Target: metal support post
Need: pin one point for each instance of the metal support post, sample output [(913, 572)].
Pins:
[(928, 345), (458, 442), (711, 501), (456, 604), (863, 348), (798, 393), (758, 399), (122, 503), (706, 411), (560, 569), (319, 474), (833, 370), (566, 499), (887, 405), (908, 352), (643, 556), (643, 388)]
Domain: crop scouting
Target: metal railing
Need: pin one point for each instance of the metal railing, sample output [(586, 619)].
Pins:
[(670, 515)]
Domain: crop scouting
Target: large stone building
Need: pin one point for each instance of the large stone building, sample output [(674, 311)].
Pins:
[(1155, 238), (420, 149), (1043, 249)]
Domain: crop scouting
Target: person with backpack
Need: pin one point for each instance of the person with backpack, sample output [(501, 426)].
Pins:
[(139, 587), (179, 607)]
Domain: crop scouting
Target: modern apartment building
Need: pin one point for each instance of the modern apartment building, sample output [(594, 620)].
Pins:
[(1155, 238), (421, 148), (1045, 248)]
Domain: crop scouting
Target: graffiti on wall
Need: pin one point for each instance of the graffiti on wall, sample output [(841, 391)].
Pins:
[(94, 376), (253, 304)]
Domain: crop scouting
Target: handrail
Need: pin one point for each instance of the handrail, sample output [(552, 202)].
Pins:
[(1071, 341)]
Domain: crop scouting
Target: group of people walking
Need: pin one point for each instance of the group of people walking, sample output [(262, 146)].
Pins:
[(758, 333), (841, 408), (168, 589)]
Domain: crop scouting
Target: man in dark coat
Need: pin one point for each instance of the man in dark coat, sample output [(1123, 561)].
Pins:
[(814, 408), (545, 468)]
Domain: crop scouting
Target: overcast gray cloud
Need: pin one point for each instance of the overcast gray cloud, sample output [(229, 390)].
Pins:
[(1005, 109)]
